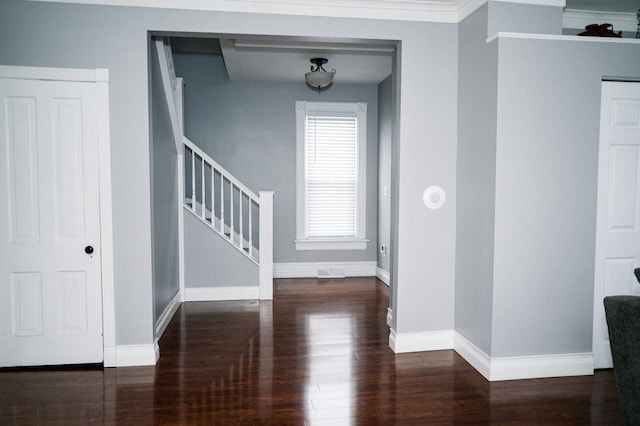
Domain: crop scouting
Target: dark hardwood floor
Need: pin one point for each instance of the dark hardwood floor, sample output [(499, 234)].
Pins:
[(318, 355)]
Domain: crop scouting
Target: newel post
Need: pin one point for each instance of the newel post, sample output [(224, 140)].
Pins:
[(266, 245)]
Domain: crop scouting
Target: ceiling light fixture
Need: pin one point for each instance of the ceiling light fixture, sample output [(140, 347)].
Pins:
[(319, 78)]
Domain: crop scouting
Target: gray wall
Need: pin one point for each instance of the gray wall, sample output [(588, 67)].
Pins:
[(210, 261), (164, 194), (385, 135), (527, 171), (477, 110), (546, 178), (249, 128), (523, 18), (56, 35), (424, 155), (70, 35)]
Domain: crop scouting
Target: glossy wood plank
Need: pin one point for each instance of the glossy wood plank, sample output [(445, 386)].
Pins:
[(317, 355)]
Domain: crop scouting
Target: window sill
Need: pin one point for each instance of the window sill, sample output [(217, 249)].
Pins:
[(332, 244)]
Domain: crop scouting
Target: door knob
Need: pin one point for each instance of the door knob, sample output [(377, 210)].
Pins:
[(88, 249)]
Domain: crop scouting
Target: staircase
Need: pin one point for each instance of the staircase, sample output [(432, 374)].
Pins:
[(212, 194)]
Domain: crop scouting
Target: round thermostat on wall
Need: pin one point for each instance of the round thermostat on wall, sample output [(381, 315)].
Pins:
[(434, 197)]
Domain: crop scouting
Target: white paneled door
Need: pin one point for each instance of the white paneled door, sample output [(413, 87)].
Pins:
[(50, 270), (618, 213)]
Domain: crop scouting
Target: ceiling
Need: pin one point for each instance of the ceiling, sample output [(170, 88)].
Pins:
[(287, 60), (356, 62)]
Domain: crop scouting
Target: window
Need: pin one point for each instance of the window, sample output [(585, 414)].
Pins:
[(331, 156)]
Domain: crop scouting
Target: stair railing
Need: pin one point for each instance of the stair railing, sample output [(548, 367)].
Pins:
[(221, 201)]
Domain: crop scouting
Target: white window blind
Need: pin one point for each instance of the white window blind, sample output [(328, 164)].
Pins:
[(331, 176)]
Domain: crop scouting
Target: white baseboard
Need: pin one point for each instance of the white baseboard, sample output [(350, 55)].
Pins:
[(531, 367), (473, 355), (165, 318), (420, 341), (310, 269), (383, 275), (211, 294), (137, 355), (523, 367)]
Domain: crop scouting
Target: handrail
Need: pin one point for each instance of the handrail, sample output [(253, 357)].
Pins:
[(193, 147)]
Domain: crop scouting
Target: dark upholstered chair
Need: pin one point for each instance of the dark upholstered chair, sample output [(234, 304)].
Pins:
[(623, 322)]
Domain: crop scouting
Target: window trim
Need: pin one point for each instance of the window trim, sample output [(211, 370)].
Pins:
[(347, 243)]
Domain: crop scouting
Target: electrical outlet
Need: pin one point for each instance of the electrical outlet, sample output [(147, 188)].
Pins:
[(383, 250)]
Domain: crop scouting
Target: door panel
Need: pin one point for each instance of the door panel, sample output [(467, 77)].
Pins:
[(26, 289), (49, 212), (22, 157), (618, 211)]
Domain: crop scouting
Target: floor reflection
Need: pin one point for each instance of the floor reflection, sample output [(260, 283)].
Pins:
[(330, 388), (317, 355)]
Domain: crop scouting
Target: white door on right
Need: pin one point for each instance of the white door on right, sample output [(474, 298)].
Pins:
[(618, 211)]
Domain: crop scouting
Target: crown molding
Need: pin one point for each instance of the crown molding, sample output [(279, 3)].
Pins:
[(578, 19), (403, 10), (445, 11)]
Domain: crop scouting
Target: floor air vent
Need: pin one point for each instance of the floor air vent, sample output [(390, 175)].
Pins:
[(331, 273)]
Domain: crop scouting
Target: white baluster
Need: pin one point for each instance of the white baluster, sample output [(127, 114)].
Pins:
[(221, 203), (193, 181), (250, 227), (202, 190), (213, 197), (231, 211), (241, 218)]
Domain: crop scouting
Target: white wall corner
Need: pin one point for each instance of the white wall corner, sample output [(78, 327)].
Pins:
[(137, 355), (420, 341), (383, 275), (310, 269), (389, 317), (167, 314), (212, 294)]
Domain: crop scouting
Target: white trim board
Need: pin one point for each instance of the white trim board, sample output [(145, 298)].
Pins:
[(55, 74), (167, 314), (523, 367), (450, 11), (137, 355), (420, 341), (310, 269), (383, 275), (567, 38), (213, 294), (494, 369)]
